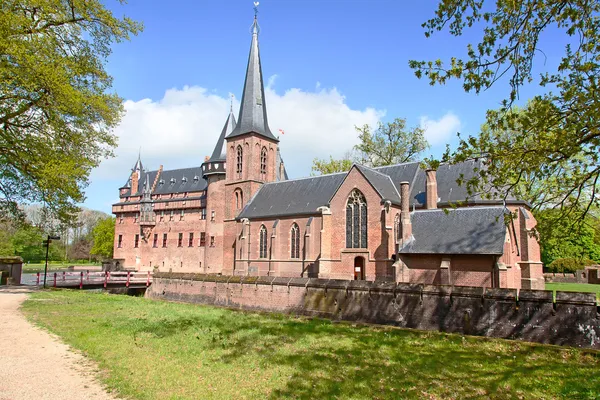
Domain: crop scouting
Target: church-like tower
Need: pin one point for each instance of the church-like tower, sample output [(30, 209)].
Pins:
[(213, 170), (252, 150)]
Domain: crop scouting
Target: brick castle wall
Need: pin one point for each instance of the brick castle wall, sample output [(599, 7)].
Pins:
[(532, 316)]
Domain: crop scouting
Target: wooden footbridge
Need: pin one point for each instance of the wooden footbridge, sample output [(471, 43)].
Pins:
[(94, 280)]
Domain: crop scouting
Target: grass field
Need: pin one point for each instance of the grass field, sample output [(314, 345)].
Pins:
[(158, 350), (52, 266), (575, 287)]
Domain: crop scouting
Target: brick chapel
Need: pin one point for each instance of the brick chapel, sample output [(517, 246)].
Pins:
[(239, 214)]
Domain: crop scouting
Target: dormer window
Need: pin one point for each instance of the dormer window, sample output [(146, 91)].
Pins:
[(184, 179), (196, 178), (173, 180)]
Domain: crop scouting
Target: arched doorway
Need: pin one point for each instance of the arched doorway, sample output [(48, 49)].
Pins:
[(359, 269)]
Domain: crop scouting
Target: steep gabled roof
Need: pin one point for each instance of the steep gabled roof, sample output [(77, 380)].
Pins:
[(303, 196), (172, 181), (220, 151), (469, 230), (253, 109), (292, 197), (381, 183)]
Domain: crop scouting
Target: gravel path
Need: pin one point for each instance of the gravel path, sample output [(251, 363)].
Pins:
[(35, 364)]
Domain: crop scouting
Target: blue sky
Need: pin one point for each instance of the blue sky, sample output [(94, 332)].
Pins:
[(330, 65)]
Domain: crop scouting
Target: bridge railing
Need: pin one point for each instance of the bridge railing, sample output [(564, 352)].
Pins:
[(87, 278)]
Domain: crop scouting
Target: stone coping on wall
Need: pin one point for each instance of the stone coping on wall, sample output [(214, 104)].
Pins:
[(11, 260), (510, 295)]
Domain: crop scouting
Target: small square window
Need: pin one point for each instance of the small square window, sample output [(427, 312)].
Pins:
[(212, 241)]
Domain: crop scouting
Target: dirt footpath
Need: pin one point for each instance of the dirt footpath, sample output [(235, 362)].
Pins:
[(35, 364)]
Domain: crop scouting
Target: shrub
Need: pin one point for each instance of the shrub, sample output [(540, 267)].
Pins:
[(569, 264)]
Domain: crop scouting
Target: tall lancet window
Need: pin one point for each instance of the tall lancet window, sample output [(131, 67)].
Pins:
[(263, 162), (397, 232), (262, 250), (240, 160), (295, 241), (356, 221)]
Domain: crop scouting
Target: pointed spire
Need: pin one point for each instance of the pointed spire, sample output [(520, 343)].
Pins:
[(138, 164), (253, 109), (220, 151)]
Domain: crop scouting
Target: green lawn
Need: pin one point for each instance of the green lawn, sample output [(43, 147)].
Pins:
[(575, 287), (158, 350), (52, 266)]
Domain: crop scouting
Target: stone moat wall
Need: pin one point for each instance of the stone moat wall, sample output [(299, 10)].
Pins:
[(572, 319)]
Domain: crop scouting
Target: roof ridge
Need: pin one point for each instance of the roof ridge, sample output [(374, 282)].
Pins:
[(304, 178)]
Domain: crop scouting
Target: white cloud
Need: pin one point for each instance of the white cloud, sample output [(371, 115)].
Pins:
[(181, 128), (441, 130)]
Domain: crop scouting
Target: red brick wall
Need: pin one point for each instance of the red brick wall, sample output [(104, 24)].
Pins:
[(279, 246), (472, 270), (215, 203), (379, 236)]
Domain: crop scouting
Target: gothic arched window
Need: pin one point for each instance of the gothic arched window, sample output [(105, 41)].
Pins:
[(262, 242), (263, 161), (356, 221), (295, 241), (240, 159), (239, 198), (397, 233)]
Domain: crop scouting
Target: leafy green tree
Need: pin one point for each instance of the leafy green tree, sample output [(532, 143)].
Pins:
[(332, 165), (104, 238), (27, 243), (558, 240), (557, 137), (391, 143), (56, 105), (6, 246)]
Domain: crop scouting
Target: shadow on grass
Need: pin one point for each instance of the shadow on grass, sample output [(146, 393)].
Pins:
[(314, 358), (331, 360)]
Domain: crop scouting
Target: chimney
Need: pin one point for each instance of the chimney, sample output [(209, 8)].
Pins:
[(134, 182), (431, 191), (405, 211)]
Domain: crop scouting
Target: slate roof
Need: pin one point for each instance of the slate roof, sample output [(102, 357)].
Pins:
[(381, 183), (468, 230), (172, 181), (253, 108), (446, 175), (220, 151), (300, 196), (293, 197)]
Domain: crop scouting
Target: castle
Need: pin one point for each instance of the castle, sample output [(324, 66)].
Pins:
[(239, 214)]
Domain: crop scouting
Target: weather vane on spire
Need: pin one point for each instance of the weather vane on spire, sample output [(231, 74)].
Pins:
[(231, 102), (256, 3)]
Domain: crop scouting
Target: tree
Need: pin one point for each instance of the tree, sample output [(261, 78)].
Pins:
[(558, 241), (80, 250), (27, 243), (391, 143), (104, 238), (56, 107), (560, 127)]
